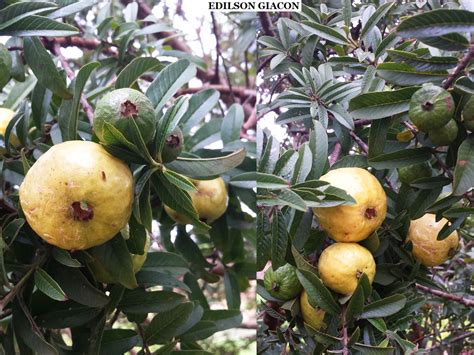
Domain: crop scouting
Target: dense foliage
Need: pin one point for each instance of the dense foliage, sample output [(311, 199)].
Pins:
[(50, 300), (339, 77)]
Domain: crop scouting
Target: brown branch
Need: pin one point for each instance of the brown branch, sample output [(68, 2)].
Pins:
[(145, 347), (460, 68), (452, 340), (219, 54), (335, 154), (465, 301), (70, 73), (83, 43), (266, 22), (345, 336), (223, 89)]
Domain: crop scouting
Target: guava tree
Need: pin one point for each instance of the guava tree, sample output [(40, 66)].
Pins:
[(91, 262), (364, 178)]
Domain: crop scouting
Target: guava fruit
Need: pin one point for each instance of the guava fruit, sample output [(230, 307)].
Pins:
[(121, 106), (5, 66), (282, 283), (210, 201), (6, 116), (408, 174), (445, 135), (102, 275), (314, 317), (431, 107), (423, 234), (77, 195), (342, 264), (173, 146), (353, 223), (468, 114)]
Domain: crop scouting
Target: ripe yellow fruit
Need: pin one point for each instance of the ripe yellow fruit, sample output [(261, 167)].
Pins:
[(6, 116), (429, 251), (77, 195), (102, 275), (341, 265), (353, 223), (210, 201), (314, 317)]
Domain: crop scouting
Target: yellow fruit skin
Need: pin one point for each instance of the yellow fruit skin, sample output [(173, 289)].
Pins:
[(426, 249), (341, 264), (350, 223), (72, 172), (5, 117), (210, 201), (314, 317), (102, 275)]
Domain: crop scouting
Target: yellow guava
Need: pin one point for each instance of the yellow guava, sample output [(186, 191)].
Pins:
[(102, 275), (210, 201), (341, 265), (429, 251), (353, 223), (77, 195), (6, 116), (314, 317)]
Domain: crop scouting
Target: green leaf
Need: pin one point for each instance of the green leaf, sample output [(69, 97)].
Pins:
[(423, 63), (384, 307), (17, 11), (323, 31), (115, 258), (48, 286), (356, 304), (164, 325), (373, 350), (380, 13), (209, 167), (39, 26), (318, 294), (44, 68), (223, 319), (388, 42), (448, 42), (244, 180), (232, 124), (69, 128), (118, 341), (279, 240), (168, 81), (318, 143), (401, 158), (232, 289), (166, 262), (378, 137), (66, 314), (200, 104), (465, 84), (404, 75), (464, 170), (303, 164), (136, 68), (263, 240), (179, 180), (375, 105), (269, 181), (324, 338), (72, 9), (437, 23), (19, 92), (141, 301), (76, 286)]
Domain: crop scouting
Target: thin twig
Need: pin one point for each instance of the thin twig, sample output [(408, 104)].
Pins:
[(452, 340), (335, 154), (465, 301), (70, 73), (146, 349), (460, 68), (345, 336)]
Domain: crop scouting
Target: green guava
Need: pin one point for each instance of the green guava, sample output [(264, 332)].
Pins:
[(121, 106), (282, 283), (431, 107), (173, 146), (5, 66), (408, 174), (468, 114), (445, 135)]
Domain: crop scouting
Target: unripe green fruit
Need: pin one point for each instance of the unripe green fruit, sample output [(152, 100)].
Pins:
[(431, 107), (282, 283), (408, 174), (173, 146), (468, 114), (119, 108), (445, 135), (5, 66)]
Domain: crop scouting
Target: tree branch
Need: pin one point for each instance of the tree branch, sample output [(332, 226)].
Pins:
[(335, 154), (460, 68), (91, 44), (266, 22), (465, 301), (345, 336), (223, 89), (70, 73)]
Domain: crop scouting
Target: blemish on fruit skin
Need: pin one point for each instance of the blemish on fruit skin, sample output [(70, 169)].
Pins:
[(104, 177), (461, 163)]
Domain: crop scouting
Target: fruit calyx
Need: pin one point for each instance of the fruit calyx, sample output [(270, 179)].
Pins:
[(128, 109), (82, 211), (427, 106), (173, 141), (275, 287), (370, 213)]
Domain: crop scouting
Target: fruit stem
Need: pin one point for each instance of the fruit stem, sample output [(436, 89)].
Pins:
[(345, 336)]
